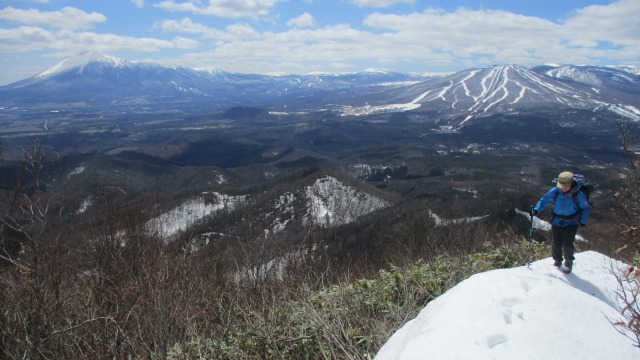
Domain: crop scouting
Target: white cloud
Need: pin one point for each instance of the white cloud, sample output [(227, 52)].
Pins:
[(29, 38), (232, 32), (138, 3), (24, 38), (379, 3), (222, 8), (304, 20), (435, 37), (616, 23), (465, 34), (185, 43), (108, 42), (67, 18), (298, 50), (242, 31), (497, 36)]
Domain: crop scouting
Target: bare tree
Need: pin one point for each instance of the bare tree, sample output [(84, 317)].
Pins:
[(628, 200), (25, 218)]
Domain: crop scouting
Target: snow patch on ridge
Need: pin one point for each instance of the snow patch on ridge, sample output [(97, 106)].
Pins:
[(331, 203), (183, 216), (79, 170)]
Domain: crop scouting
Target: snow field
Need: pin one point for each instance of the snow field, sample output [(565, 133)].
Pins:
[(521, 313)]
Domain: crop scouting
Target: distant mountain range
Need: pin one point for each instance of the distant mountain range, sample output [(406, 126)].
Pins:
[(98, 79), (91, 79), (513, 89)]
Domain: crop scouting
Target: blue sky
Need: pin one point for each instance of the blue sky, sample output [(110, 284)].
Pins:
[(303, 36)]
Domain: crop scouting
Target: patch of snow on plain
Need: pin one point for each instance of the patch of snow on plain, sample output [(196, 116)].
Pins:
[(76, 171), (86, 204), (446, 222)]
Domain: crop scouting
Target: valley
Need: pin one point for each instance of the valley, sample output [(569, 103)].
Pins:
[(409, 155)]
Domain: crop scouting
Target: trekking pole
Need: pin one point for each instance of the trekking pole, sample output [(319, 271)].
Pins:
[(530, 236)]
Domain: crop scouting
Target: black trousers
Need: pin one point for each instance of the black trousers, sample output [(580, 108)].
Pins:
[(563, 238)]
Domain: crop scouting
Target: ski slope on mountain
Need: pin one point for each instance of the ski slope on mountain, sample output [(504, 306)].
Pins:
[(533, 312), (497, 89)]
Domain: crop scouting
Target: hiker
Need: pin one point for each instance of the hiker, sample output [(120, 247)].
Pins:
[(570, 209)]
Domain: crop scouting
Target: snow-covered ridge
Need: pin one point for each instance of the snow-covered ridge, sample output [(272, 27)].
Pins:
[(328, 202), (331, 203), (575, 74), (363, 171), (379, 172), (628, 68), (594, 76), (525, 313), (187, 214)]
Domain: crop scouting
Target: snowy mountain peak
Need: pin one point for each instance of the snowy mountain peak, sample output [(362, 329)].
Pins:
[(376, 71), (81, 60)]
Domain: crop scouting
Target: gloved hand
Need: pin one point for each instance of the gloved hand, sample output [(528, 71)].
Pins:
[(533, 212)]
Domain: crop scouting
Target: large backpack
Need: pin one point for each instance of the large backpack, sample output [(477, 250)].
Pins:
[(586, 186)]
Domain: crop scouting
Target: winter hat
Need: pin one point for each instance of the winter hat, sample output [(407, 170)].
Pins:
[(564, 180)]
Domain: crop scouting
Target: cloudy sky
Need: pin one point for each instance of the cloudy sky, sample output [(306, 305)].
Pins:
[(303, 36)]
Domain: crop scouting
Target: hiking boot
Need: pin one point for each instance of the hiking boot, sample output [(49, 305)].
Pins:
[(568, 265), (557, 263)]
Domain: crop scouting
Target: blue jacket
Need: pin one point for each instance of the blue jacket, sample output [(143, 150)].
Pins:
[(571, 208)]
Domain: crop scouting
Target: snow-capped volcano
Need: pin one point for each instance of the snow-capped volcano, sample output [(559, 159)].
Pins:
[(98, 79), (81, 60)]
